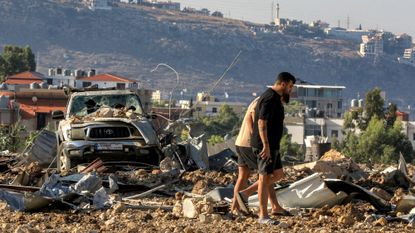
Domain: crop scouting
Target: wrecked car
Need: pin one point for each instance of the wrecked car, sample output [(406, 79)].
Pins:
[(106, 124)]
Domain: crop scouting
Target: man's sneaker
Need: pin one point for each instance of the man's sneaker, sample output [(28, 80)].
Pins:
[(268, 221)]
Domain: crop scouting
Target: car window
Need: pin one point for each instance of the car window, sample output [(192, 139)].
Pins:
[(83, 105)]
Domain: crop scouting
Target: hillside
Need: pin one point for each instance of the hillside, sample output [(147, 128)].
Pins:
[(131, 41)]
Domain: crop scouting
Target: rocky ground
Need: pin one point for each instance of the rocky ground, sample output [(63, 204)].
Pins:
[(164, 216)]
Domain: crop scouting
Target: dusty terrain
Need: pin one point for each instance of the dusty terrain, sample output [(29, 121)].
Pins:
[(125, 217)]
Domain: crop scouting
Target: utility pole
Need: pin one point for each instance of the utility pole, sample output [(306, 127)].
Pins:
[(272, 11), (348, 22)]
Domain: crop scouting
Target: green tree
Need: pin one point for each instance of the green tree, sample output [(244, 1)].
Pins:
[(290, 148), (15, 60), (11, 138), (378, 143), (373, 106), (390, 115), (214, 139)]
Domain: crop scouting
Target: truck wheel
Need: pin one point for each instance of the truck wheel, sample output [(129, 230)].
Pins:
[(64, 163)]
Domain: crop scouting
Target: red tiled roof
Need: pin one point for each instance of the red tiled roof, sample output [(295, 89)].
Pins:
[(28, 109), (22, 81), (107, 78), (27, 75), (24, 78)]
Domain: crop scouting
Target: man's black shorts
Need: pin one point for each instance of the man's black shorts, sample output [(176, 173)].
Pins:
[(268, 166), (250, 158), (246, 157)]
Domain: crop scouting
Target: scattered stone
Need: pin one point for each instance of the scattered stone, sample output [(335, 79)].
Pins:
[(141, 172), (381, 222), (190, 209), (369, 219), (179, 195), (156, 172), (283, 225), (110, 222), (119, 207), (178, 209), (346, 220), (216, 217), (205, 218), (200, 187), (381, 193)]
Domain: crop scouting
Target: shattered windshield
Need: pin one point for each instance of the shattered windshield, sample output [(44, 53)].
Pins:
[(84, 105)]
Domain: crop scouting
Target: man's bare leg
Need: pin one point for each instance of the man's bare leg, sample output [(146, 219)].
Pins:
[(263, 187), (276, 176), (241, 183)]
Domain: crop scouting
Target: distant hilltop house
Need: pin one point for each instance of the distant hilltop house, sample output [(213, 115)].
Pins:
[(408, 57), (371, 46), (97, 4), (342, 33), (166, 5)]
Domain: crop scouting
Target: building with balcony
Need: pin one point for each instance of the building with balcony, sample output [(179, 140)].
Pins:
[(320, 100)]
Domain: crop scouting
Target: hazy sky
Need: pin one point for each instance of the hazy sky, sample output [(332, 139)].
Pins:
[(397, 16)]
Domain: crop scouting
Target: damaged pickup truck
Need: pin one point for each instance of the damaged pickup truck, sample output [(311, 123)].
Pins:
[(106, 124)]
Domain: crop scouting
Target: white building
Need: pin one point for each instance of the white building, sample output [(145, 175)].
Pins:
[(320, 100), (299, 128), (65, 77), (408, 57), (371, 46), (343, 33), (98, 4), (409, 131), (103, 81)]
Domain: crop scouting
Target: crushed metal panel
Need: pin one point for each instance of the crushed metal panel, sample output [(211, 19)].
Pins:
[(310, 192), (337, 185), (198, 151), (24, 201), (43, 149), (147, 131)]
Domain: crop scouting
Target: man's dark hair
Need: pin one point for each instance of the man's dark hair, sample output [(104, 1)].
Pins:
[(285, 77)]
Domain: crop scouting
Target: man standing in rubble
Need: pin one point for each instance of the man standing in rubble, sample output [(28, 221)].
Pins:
[(265, 139), (247, 161), (246, 158)]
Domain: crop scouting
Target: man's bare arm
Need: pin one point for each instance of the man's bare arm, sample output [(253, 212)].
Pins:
[(262, 127)]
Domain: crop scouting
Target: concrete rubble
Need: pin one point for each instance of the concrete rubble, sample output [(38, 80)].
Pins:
[(191, 192)]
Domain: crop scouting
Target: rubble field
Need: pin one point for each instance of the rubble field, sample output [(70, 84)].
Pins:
[(151, 200)]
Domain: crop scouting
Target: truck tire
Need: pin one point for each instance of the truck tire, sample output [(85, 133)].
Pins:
[(63, 161)]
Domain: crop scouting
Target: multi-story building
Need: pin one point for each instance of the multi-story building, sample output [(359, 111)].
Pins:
[(371, 46), (65, 77), (208, 105), (320, 100), (408, 57), (301, 127)]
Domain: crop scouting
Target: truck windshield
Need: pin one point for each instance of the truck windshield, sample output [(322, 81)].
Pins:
[(84, 105)]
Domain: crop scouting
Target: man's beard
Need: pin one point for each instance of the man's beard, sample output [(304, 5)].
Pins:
[(286, 98)]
